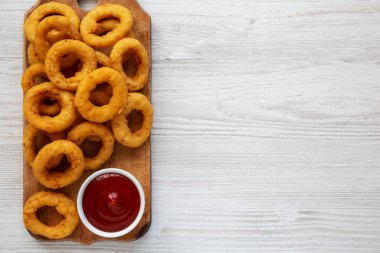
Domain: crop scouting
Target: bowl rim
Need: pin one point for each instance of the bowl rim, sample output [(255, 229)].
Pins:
[(83, 217)]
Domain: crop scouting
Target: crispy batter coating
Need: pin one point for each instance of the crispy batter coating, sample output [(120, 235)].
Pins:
[(89, 25), (32, 55), (89, 129), (131, 47), (64, 47), (29, 78), (30, 134), (102, 60), (54, 36), (28, 81), (122, 132), (103, 113), (64, 206), (43, 162), (58, 123), (48, 9), (53, 24)]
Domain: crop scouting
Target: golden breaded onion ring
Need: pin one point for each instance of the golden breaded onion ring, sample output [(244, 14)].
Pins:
[(89, 25), (43, 162), (53, 37), (32, 55), (49, 24), (58, 123), (28, 81), (64, 206), (29, 77), (64, 47), (134, 47), (122, 132), (48, 9), (103, 113), (89, 129), (102, 60), (30, 135)]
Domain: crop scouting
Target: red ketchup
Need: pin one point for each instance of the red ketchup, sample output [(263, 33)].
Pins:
[(111, 202)]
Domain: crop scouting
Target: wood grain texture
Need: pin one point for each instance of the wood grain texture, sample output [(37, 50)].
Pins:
[(266, 135), (136, 161)]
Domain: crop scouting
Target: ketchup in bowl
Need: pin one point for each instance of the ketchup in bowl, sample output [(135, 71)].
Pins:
[(111, 202)]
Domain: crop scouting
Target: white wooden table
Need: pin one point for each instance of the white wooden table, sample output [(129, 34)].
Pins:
[(266, 135)]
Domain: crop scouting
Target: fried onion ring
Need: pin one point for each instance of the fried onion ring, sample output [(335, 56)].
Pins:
[(29, 142), (89, 25), (48, 9), (53, 23), (28, 81), (103, 113), (134, 47), (55, 36), (89, 129), (32, 55), (64, 206), (29, 78), (102, 60), (122, 132), (53, 70), (65, 61), (43, 162), (49, 124)]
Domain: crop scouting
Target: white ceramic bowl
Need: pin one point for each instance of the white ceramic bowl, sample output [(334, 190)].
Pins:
[(83, 216)]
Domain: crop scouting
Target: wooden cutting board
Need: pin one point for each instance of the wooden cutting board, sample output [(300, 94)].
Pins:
[(137, 161)]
